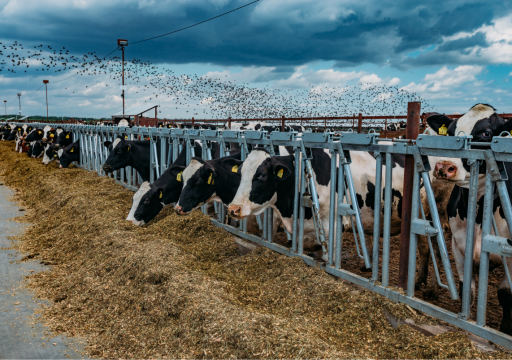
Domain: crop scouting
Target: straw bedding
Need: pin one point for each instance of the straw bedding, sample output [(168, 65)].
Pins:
[(177, 287)]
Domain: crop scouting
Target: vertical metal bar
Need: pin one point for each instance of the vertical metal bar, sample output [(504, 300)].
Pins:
[(151, 161), (470, 238), (443, 251), (332, 206), (376, 216), (413, 246), (483, 277), (388, 187), (296, 199), (300, 245), (339, 217), (270, 224)]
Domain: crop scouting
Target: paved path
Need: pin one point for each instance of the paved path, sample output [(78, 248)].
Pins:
[(21, 336)]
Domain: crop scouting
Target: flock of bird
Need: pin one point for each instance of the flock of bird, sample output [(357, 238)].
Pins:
[(208, 97)]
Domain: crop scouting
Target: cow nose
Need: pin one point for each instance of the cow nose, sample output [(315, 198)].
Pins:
[(179, 209), (60, 167), (33, 156), (445, 170), (106, 168), (235, 210)]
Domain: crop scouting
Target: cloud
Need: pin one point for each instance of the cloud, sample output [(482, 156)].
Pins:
[(303, 78), (442, 83), (370, 80)]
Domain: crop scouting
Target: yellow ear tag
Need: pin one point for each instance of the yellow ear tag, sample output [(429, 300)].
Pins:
[(39, 132), (210, 181), (55, 155), (443, 130), (72, 150), (234, 169), (67, 136), (178, 177), (161, 194), (128, 149), (52, 135), (280, 173)]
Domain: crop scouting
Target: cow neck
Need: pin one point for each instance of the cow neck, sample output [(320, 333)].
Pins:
[(140, 163), (286, 189), (226, 183)]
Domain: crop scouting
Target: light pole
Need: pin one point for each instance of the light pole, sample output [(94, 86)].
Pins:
[(19, 98), (122, 43), (46, 86), (5, 103)]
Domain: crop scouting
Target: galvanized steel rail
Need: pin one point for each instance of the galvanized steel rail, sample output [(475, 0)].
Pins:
[(343, 202)]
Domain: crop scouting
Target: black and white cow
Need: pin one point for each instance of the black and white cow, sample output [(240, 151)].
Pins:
[(150, 199), (391, 127), (69, 154), (483, 124), (205, 181), (64, 138), (37, 149), (35, 135), (51, 153)]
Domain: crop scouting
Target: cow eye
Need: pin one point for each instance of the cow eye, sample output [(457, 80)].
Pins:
[(486, 134), (262, 177)]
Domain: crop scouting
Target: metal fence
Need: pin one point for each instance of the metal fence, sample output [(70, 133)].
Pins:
[(340, 146)]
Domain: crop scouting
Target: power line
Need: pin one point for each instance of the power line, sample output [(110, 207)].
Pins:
[(199, 23)]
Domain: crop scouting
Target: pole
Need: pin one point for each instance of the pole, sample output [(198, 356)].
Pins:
[(282, 123), (360, 123), (19, 99), (5, 103), (46, 86), (122, 49), (413, 127)]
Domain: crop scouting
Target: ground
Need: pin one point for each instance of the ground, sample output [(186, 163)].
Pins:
[(177, 287)]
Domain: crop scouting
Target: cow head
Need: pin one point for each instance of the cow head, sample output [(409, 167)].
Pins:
[(261, 174), (119, 156), (35, 135), (198, 180), (69, 154), (63, 139), (481, 122), (37, 149), (150, 199), (51, 153)]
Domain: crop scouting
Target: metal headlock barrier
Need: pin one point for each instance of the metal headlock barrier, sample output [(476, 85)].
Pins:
[(166, 144)]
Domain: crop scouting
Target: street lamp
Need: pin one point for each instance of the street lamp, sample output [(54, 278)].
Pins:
[(122, 43), (46, 86), (19, 98), (5, 103)]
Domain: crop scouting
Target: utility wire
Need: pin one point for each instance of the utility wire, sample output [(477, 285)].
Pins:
[(199, 23)]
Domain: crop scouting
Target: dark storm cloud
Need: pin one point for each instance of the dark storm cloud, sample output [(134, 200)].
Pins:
[(270, 33)]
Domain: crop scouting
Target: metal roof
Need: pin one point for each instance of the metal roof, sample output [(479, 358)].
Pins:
[(23, 118), (135, 110), (9, 119)]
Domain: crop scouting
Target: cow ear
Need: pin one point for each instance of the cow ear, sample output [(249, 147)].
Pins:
[(107, 143), (233, 165), (209, 175), (439, 123), (177, 172), (280, 171), (506, 126)]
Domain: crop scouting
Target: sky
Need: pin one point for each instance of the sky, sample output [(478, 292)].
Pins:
[(452, 54)]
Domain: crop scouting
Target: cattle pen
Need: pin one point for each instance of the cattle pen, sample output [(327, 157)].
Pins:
[(372, 247)]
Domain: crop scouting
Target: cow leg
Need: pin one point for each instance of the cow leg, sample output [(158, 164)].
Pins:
[(424, 255)]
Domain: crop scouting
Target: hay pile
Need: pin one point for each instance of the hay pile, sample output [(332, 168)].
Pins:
[(177, 287)]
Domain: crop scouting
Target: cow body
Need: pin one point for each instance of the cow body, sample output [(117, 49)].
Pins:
[(482, 123)]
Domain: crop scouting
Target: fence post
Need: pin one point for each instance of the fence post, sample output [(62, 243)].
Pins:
[(136, 120), (229, 123), (413, 127), (386, 128), (353, 122), (282, 123), (360, 124), (192, 122)]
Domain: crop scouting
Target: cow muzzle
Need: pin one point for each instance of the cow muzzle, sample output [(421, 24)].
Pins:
[(107, 168), (180, 210), (445, 170), (235, 211)]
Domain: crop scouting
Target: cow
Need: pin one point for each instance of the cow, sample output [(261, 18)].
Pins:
[(35, 135), (481, 122), (205, 181), (64, 138), (69, 154), (37, 149), (51, 153), (391, 127), (150, 199), (134, 153)]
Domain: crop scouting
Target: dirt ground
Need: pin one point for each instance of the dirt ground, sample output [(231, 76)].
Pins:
[(177, 288)]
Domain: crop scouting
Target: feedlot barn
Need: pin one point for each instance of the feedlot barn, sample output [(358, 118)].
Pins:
[(177, 287)]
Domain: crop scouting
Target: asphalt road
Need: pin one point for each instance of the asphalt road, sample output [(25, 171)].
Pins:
[(22, 334)]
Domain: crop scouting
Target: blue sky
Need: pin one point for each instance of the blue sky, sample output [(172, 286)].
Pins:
[(451, 53)]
